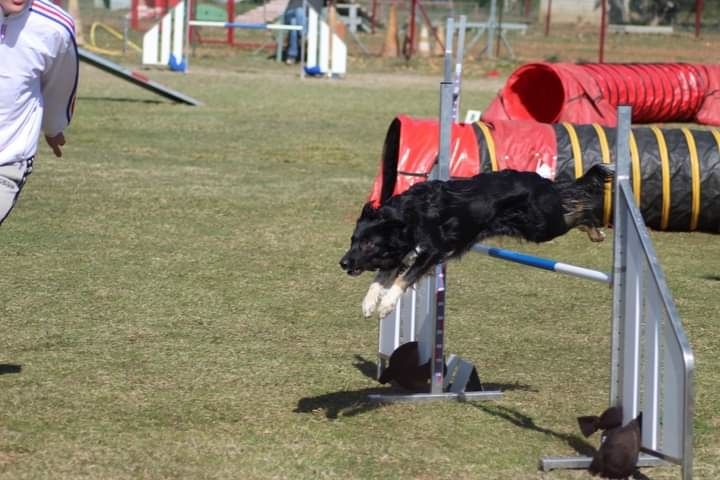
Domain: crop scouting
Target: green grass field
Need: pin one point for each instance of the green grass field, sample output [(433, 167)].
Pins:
[(173, 307)]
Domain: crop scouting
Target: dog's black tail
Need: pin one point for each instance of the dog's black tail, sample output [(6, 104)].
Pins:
[(584, 196), (596, 178)]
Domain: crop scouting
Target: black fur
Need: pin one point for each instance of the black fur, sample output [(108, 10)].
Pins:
[(609, 419), (619, 451), (435, 221)]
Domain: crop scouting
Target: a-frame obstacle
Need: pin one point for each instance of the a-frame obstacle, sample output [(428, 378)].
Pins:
[(134, 77)]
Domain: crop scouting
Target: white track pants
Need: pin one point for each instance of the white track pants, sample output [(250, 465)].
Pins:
[(12, 179)]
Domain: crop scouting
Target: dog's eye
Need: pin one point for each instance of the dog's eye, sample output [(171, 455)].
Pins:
[(366, 245)]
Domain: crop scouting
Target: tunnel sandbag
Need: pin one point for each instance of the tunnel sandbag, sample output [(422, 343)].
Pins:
[(590, 93), (675, 172)]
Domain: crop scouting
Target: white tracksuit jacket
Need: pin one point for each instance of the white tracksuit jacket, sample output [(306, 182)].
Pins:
[(38, 77)]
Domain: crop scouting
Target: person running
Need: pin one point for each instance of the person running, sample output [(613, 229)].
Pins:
[(38, 78)]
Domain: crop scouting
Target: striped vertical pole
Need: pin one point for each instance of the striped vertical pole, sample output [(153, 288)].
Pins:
[(443, 173)]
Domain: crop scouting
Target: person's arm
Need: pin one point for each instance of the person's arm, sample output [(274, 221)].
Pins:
[(59, 83)]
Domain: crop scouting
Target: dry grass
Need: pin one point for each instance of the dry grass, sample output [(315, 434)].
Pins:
[(173, 306)]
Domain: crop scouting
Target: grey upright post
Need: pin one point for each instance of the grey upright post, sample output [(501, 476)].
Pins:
[(302, 40), (491, 26), (460, 52), (186, 36), (622, 172), (437, 378), (620, 228)]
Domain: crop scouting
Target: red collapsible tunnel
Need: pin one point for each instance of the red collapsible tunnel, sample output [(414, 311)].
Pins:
[(675, 172), (590, 93)]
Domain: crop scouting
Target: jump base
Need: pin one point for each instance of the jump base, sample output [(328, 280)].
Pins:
[(582, 463), (432, 397)]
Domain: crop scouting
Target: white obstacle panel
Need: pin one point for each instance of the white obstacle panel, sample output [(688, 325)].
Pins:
[(411, 321), (325, 52), (165, 38)]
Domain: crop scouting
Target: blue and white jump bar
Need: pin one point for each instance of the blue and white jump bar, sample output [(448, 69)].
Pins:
[(542, 263), (246, 26)]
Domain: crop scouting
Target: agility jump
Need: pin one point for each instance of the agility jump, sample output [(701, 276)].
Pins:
[(167, 42), (652, 363)]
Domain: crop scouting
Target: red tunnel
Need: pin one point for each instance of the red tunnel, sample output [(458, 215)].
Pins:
[(590, 93)]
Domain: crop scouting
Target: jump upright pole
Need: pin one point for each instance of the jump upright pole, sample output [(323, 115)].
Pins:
[(440, 388)]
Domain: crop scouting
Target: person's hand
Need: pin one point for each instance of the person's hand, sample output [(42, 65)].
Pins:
[(55, 143)]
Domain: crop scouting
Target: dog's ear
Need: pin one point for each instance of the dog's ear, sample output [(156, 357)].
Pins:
[(391, 215), (369, 212)]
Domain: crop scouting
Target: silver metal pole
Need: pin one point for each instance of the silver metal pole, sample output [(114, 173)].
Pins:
[(125, 35), (446, 121), (458, 67), (491, 26), (622, 173), (449, 36), (302, 40), (186, 36), (443, 173)]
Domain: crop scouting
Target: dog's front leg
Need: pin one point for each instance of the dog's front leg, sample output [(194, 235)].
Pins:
[(422, 264), (382, 280)]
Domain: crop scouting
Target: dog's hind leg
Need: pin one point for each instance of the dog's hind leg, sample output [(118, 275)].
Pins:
[(382, 280), (593, 233)]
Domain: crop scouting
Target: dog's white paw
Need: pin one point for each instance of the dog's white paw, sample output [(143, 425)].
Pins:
[(593, 233), (389, 300), (372, 297)]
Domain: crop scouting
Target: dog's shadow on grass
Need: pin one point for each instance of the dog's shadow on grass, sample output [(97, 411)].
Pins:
[(519, 419), (348, 403), (6, 368)]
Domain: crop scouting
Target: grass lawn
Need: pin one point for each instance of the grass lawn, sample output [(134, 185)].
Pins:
[(173, 307)]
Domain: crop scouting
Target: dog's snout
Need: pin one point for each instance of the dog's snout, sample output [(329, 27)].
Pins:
[(345, 262), (350, 264)]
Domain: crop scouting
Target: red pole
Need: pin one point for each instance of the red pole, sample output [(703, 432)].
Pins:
[(134, 22), (231, 18), (526, 11), (373, 16), (429, 24), (603, 28), (411, 46), (698, 15), (547, 18), (190, 16)]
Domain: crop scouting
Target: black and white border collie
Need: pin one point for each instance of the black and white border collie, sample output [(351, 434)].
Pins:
[(436, 221)]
